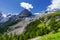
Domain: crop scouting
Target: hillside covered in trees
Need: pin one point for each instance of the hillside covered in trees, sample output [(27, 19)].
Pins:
[(48, 24), (4, 27)]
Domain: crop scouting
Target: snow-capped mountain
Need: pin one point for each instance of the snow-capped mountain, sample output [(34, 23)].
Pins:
[(4, 18), (24, 14)]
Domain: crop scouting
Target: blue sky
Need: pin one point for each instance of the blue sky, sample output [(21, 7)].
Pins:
[(13, 6)]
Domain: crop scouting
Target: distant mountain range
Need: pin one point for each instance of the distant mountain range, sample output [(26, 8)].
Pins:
[(12, 22), (23, 14), (3, 18)]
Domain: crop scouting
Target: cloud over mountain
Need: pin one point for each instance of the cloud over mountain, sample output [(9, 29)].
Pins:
[(26, 5), (55, 4)]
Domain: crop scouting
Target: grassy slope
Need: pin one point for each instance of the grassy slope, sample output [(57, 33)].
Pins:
[(38, 28), (55, 36)]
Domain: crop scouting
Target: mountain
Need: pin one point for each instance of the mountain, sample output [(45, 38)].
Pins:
[(13, 17), (25, 13), (47, 24), (3, 18), (0, 16), (9, 15)]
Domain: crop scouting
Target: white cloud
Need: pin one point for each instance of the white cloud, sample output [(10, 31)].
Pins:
[(55, 4), (26, 5)]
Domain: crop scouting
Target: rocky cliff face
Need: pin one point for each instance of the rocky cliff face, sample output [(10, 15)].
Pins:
[(25, 13)]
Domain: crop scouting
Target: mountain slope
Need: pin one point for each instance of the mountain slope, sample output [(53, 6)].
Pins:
[(4, 27), (55, 36), (14, 19), (38, 27), (25, 13), (19, 27), (41, 27)]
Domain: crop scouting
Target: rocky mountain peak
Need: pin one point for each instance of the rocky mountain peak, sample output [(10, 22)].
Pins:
[(25, 13)]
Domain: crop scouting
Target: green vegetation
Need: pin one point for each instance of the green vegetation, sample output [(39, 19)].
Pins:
[(57, 13), (55, 36), (5, 26), (43, 26), (40, 28)]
